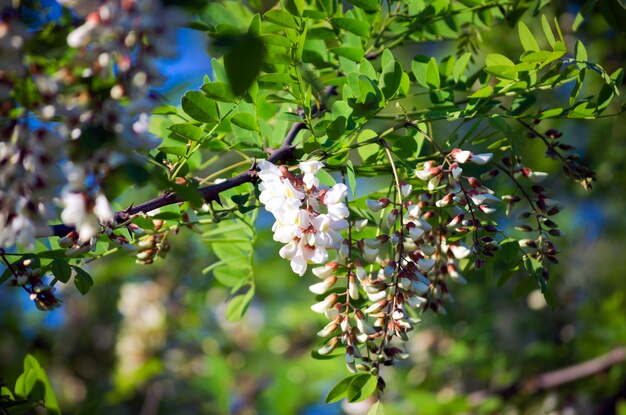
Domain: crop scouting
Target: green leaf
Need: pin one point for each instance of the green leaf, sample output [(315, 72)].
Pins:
[(219, 91), (483, 92), (390, 79), (460, 65), (61, 270), (367, 5), (165, 110), (558, 30), (358, 27), (34, 382), (352, 53), (199, 107), (82, 280), (547, 31), (326, 178), (525, 286), (495, 59), (245, 120), (386, 58), (583, 13), (339, 391), (366, 68), (167, 216), (526, 37), (26, 382), (275, 78), (231, 274), (362, 387), (187, 131), (351, 178), (535, 269), (336, 128), (295, 7), (276, 40), (281, 18), (432, 74), (243, 62), (418, 66), (376, 409), (238, 305), (176, 151), (580, 52), (509, 251)]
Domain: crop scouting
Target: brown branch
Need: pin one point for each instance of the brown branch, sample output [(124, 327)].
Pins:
[(208, 193), (556, 378)]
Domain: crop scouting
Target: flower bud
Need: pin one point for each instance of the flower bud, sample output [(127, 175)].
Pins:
[(362, 324), (392, 217), (329, 328), (376, 307), (325, 271), (353, 288), (425, 265), (325, 304), (329, 346), (481, 159), (406, 189), (359, 225), (461, 156), (322, 287)]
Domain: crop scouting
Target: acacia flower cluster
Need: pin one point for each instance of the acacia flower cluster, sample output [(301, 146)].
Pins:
[(308, 217), (91, 113)]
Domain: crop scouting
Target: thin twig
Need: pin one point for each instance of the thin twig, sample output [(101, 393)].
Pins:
[(556, 378)]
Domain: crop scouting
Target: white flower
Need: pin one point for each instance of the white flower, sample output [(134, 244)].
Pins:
[(329, 347), (325, 271), (325, 304), (82, 35), (406, 189), (456, 172), (279, 194), (459, 251), (416, 302), (424, 174), (461, 156), (425, 265), (482, 198), (419, 287), (102, 208), (481, 159), (310, 169), (416, 233), (300, 254), (537, 176), (289, 224), (369, 254), (414, 211), (455, 275), (322, 287), (86, 218), (374, 205), (362, 324), (328, 329), (359, 225)]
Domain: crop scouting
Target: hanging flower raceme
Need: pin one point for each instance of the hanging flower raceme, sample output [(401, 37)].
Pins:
[(308, 217)]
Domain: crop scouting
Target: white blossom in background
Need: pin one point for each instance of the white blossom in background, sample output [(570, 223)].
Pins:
[(118, 41), (308, 218), (29, 174)]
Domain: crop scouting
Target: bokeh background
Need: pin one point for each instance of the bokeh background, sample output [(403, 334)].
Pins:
[(154, 339)]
